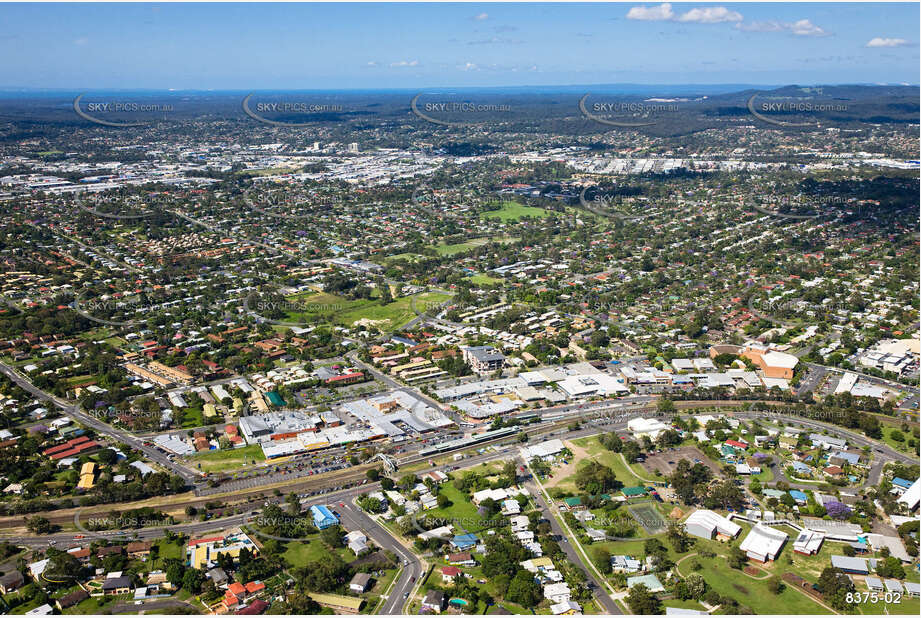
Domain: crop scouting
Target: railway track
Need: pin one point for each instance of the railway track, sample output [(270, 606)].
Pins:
[(336, 479)]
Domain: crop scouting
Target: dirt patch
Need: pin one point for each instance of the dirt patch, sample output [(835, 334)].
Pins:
[(666, 461), (565, 472), (752, 571), (740, 588)]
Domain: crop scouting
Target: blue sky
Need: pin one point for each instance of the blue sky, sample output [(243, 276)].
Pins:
[(286, 46)]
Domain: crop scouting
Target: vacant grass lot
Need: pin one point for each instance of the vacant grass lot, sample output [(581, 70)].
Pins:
[(461, 511), (751, 592), (192, 417), (513, 211), (227, 459), (896, 444), (322, 307), (481, 279), (607, 458)]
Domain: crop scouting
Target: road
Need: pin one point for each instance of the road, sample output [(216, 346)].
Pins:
[(610, 605), (353, 518), (73, 411)]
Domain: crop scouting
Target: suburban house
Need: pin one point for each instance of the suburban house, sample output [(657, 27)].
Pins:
[(360, 583), (434, 601)]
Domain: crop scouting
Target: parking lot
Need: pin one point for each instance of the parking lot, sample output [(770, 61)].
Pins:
[(666, 461)]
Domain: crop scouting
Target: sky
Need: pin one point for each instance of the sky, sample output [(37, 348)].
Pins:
[(356, 46)]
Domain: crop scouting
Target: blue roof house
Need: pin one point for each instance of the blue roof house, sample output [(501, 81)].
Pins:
[(323, 517), (464, 541)]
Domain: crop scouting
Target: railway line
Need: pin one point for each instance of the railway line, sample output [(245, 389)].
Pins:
[(355, 475)]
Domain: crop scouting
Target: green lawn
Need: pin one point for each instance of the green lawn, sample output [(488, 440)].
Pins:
[(91, 605), (899, 446), (766, 475), (481, 279), (446, 249), (410, 257), (192, 417), (461, 510), (608, 458), (907, 605), (689, 604), (513, 211), (226, 459), (300, 553)]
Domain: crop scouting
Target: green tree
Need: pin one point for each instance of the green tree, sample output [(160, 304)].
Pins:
[(523, 590), (642, 601)]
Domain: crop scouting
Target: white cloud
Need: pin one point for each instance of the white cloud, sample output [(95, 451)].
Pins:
[(469, 66), (405, 63), (710, 15), (803, 27), (481, 17), (886, 42), (81, 41), (373, 63), (663, 12)]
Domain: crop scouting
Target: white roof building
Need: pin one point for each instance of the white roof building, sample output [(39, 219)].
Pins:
[(557, 592), (763, 543), (651, 427), (912, 496), (808, 542), (706, 524), (543, 450)]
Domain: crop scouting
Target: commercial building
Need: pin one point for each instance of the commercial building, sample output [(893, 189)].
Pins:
[(483, 359), (646, 427), (545, 450), (774, 364), (203, 553)]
